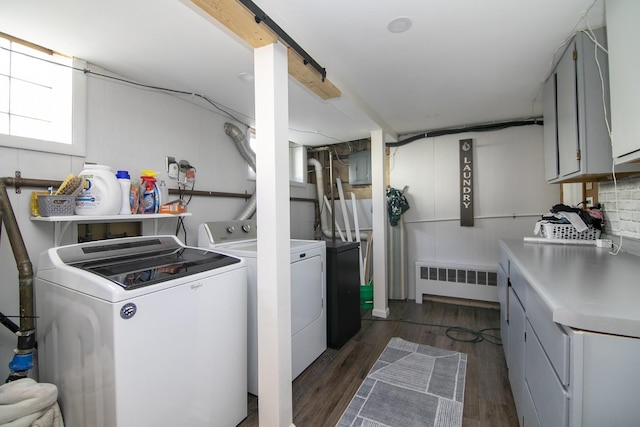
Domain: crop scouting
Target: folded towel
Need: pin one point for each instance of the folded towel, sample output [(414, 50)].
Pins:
[(52, 417), (24, 402), (575, 220)]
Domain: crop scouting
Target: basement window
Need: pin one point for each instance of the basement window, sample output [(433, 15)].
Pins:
[(42, 99), (297, 160)]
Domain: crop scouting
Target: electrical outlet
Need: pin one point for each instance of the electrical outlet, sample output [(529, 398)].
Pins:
[(171, 167), (173, 171), (589, 202)]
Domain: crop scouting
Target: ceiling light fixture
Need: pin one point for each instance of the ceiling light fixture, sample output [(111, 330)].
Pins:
[(399, 25)]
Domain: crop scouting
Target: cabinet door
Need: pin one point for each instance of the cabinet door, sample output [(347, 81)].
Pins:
[(606, 368), (530, 416), (550, 129), (516, 351), (567, 113), (623, 34), (550, 399)]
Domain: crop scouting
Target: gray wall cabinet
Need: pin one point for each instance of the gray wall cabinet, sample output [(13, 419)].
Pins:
[(577, 144), (623, 33)]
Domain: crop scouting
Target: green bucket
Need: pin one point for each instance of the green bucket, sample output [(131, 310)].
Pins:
[(366, 297)]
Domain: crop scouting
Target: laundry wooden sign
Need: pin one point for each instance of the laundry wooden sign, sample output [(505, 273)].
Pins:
[(466, 182)]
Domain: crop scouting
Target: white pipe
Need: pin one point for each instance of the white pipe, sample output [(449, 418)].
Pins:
[(317, 166), (403, 254), (324, 223), (357, 228), (326, 202), (403, 261), (356, 223), (345, 214)]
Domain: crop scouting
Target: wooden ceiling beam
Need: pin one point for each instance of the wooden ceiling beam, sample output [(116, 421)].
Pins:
[(239, 20)]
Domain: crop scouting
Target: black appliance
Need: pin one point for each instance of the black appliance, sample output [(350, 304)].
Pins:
[(343, 292)]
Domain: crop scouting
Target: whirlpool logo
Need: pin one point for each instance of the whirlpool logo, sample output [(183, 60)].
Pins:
[(128, 310), (196, 286)]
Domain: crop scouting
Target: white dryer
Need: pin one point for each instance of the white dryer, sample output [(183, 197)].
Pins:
[(143, 331), (308, 291)]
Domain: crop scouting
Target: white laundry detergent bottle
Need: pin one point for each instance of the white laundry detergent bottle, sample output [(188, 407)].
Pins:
[(101, 194), (124, 179)]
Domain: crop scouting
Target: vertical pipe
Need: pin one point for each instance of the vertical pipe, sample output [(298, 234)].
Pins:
[(22, 360), (378, 185), (333, 210), (336, 226), (345, 213), (25, 269)]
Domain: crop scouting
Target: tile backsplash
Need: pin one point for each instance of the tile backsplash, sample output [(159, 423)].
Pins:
[(621, 211)]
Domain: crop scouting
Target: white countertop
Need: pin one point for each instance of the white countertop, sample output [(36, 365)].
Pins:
[(584, 286)]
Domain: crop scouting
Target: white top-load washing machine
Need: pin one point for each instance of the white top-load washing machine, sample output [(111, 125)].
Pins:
[(308, 291), (143, 331)]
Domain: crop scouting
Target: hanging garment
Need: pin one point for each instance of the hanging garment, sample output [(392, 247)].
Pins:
[(396, 205)]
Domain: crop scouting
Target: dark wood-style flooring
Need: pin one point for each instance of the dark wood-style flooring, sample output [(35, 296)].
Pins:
[(323, 391)]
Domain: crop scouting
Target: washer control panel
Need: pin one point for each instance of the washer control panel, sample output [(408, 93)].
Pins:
[(217, 232)]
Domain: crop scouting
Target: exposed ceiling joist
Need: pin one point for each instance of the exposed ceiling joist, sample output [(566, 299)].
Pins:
[(237, 18)]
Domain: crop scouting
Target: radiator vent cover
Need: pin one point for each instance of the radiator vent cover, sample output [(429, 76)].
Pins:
[(479, 282), (459, 275)]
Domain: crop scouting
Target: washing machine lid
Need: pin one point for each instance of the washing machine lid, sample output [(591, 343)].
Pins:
[(136, 262), (248, 249)]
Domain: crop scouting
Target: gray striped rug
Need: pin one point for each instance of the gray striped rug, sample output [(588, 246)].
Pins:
[(410, 385)]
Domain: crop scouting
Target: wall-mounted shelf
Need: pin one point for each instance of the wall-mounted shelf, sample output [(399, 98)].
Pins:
[(61, 223)]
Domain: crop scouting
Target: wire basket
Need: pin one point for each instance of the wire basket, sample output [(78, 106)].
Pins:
[(568, 231), (56, 205)]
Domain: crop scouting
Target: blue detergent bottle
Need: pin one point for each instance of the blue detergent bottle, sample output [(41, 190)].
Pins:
[(150, 193)]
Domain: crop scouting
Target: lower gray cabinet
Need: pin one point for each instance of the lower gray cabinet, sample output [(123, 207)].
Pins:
[(516, 351), (561, 376), (539, 395), (550, 397), (605, 380), (529, 413), (503, 299)]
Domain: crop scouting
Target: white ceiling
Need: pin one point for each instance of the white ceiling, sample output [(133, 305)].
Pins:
[(462, 62)]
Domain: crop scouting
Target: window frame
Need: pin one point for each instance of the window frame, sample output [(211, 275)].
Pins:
[(297, 153), (77, 147)]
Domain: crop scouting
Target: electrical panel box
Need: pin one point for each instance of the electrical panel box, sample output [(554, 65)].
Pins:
[(360, 168)]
